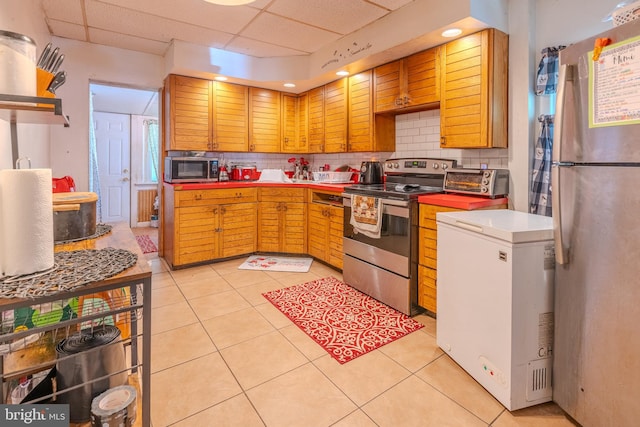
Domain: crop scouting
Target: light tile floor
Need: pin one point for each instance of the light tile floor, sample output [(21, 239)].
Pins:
[(222, 355)]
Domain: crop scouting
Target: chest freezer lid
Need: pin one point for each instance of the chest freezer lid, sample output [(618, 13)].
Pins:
[(503, 224)]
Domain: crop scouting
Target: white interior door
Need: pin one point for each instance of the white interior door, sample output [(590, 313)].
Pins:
[(113, 140)]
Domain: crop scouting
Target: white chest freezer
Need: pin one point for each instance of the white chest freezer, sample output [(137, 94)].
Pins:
[(495, 301)]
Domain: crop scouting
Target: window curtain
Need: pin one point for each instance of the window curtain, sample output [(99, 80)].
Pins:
[(152, 148), (541, 170), (94, 176)]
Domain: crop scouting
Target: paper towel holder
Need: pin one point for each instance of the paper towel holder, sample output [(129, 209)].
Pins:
[(21, 159)]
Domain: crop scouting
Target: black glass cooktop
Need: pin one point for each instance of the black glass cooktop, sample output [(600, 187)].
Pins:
[(392, 190)]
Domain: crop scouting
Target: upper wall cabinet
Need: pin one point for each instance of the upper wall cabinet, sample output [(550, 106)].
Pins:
[(187, 102), (473, 102), (366, 133), (315, 120), (294, 123), (265, 127), (230, 117), (408, 84), (335, 116)]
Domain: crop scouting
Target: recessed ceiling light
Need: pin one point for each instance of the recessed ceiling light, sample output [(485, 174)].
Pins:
[(220, 78), (342, 73), (289, 85), (451, 32), (230, 2)]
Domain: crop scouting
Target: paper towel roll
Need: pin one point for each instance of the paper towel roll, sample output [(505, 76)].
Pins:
[(27, 221)]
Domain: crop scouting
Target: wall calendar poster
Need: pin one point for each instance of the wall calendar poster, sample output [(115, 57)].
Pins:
[(614, 85)]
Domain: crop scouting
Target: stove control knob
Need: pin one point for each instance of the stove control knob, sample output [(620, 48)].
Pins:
[(388, 165), (396, 165), (445, 166), (436, 166)]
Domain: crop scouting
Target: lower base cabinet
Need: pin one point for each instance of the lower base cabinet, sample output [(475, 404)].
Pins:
[(326, 227), (282, 225), (206, 225)]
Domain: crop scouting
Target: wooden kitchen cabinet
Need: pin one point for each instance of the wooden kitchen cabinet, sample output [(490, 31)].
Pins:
[(294, 123), (205, 225), (367, 132), (282, 220), (230, 117), (408, 84), (265, 115), (336, 113), (473, 100), (315, 120), (427, 255), (188, 103), (325, 225)]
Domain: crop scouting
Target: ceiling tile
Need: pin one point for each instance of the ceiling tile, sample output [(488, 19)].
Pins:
[(283, 32), (122, 41), (259, 49), (339, 16), (64, 10), (391, 4), (195, 12), (67, 30), (133, 23)]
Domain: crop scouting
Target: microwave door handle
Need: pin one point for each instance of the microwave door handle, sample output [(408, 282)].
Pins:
[(565, 77)]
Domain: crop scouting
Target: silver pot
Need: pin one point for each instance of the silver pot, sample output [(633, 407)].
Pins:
[(74, 215)]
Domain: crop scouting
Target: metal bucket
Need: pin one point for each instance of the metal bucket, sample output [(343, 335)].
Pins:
[(74, 215)]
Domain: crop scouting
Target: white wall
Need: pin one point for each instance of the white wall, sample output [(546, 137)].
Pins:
[(85, 63), (25, 17)]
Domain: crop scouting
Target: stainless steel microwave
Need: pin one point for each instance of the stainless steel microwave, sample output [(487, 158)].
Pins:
[(190, 169)]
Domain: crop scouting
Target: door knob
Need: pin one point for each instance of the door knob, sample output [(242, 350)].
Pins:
[(125, 170), (125, 179)]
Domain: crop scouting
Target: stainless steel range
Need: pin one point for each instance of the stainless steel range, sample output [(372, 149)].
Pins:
[(381, 230)]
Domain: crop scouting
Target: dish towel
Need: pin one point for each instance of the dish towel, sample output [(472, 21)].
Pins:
[(366, 215)]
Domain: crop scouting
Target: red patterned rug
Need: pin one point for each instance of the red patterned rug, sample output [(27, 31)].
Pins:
[(344, 321), (146, 244)]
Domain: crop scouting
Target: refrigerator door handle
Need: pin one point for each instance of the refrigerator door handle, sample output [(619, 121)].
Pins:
[(565, 75)]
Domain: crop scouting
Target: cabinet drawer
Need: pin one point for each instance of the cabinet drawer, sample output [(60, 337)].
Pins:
[(210, 197), (427, 290), (274, 194), (427, 252), (428, 233), (428, 214)]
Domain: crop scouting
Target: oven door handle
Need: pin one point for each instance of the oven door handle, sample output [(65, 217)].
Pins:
[(346, 201)]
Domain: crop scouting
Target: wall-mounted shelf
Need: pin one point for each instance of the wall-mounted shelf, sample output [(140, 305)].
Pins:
[(30, 109)]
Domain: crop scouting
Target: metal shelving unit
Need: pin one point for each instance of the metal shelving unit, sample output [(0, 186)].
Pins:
[(30, 109)]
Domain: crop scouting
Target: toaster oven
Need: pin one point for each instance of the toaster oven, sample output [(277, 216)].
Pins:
[(480, 182)]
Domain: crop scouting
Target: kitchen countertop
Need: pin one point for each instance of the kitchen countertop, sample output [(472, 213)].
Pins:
[(244, 184), (461, 201)]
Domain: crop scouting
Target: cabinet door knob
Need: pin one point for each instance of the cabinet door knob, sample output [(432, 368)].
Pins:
[(443, 140), (198, 196), (215, 211), (398, 101), (223, 210)]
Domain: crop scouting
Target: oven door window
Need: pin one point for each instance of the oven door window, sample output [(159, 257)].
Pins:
[(394, 235)]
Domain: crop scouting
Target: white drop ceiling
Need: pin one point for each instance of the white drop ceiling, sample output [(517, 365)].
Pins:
[(263, 30)]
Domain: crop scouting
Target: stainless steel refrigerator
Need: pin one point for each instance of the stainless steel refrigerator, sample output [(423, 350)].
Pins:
[(596, 213)]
